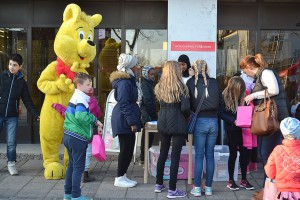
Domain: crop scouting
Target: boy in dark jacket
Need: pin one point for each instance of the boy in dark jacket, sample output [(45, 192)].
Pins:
[(13, 87), (148, 105)]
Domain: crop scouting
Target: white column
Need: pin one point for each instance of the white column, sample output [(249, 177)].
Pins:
[(192, 30)]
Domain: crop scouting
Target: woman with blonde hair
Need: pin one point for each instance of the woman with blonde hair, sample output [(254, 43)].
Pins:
[(201, 86), (173, 97), (233, 96)]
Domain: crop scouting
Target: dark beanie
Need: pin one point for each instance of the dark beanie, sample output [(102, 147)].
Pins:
[(185, 59)]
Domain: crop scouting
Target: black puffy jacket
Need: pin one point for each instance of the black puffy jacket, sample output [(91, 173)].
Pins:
[(172, 117), (12, 89), (148, 105)]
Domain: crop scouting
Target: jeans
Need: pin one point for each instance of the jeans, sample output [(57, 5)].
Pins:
[(177, 143), (88, 157), (266, 144), (205, 137), (11, 124), (77, 152)]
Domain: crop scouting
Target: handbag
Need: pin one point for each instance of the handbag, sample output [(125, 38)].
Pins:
[(270, 189), (244, 116), (264, 120), (193, 116), (98, 148)]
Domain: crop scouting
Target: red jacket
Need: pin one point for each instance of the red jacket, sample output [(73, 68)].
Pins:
[(284, 166)]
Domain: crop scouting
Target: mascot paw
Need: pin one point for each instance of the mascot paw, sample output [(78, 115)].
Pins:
[(68, 81), (62, 77), (72, 88), (54, 171), (74, 67), (84, 65)]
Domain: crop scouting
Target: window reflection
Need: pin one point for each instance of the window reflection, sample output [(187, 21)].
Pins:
[(281, 50)]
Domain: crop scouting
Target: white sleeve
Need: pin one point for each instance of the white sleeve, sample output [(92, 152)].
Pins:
[(268, 79)]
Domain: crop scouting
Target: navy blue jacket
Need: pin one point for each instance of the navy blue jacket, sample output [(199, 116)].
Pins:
[(12, 89), (148, 105), (229, 117), (126, 112)]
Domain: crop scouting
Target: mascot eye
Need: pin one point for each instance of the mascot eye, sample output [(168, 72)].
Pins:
[(81, 35), (90, 37)]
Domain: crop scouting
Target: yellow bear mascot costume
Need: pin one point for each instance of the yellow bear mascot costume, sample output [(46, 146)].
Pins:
[(75, 49)]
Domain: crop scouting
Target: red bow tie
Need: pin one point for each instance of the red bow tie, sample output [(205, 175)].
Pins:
[(61, 68)]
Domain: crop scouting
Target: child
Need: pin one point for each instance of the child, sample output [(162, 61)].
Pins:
[(78, 127), (173, 96), (13, 87), (283, 163), (96, 111), (233, 96), (148, 105)]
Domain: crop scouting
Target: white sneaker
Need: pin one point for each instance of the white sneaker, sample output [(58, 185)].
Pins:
[(11, 166), (129, 180), (122, 182)]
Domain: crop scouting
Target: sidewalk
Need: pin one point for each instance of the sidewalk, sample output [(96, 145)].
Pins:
[(30, 184)]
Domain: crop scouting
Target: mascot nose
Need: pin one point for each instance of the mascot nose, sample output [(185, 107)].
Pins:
[(91, 43)]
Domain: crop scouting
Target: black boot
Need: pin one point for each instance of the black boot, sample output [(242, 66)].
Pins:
[(86, 178)]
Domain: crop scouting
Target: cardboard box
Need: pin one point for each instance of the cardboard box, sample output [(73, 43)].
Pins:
[(183, 163)]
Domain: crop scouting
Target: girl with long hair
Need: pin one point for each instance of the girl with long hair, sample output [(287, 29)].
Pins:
[(232, 97), (173, 97), (206, 128)]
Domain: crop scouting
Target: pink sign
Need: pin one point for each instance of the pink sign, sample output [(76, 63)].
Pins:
[(192, 46)]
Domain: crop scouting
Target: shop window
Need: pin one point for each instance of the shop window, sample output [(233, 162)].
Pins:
[(14, 40), (232, 46), (281, 50)]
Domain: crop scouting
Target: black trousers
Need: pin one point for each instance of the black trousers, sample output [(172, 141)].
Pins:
[(177, 143), (127, 142), (235, 143)]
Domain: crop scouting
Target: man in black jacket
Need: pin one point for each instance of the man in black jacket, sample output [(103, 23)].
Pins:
[(148, 105), (13, 88)]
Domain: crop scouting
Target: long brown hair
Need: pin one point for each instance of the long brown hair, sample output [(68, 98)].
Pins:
[(256, 61), (234, 93), (170, 86)]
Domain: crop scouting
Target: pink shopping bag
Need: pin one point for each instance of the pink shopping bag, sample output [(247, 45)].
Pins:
[(244, 116), (270, 190), (98, 148)]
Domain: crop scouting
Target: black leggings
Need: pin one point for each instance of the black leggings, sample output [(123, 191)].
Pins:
[(235, 143), (127, 142), (177, 143)]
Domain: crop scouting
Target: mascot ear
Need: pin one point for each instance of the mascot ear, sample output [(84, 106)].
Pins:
[(72, 11), (97, 18)]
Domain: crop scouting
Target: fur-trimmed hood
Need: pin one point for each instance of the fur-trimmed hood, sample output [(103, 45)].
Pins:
[(118, 75)]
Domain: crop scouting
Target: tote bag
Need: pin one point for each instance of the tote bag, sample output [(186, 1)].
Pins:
[(264, 120), (98, 148), (244, 116)]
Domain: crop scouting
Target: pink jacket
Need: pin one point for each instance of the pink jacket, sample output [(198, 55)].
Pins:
[(284, 166), (94, 107)]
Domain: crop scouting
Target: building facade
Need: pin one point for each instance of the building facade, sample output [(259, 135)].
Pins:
[(139, 27)]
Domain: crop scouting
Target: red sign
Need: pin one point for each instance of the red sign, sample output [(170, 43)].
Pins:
[(192, 46)]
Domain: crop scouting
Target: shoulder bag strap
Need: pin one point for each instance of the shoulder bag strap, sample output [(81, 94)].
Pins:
[(201, 100)]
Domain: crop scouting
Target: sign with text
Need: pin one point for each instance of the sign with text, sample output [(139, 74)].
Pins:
[(192, 46)]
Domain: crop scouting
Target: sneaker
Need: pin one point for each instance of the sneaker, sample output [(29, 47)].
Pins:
[(87, 178), (11, 166), (129, 180), (159, 188), (207, 191), (231, 185), (122, 182), (196, 192), (141, 162), (67, 196), (83, 198), (246, 185), (173, 194)]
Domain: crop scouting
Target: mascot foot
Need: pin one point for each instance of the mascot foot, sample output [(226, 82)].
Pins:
[(54, 171)]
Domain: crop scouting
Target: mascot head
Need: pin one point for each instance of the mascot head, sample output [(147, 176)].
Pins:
[(74, 40)]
